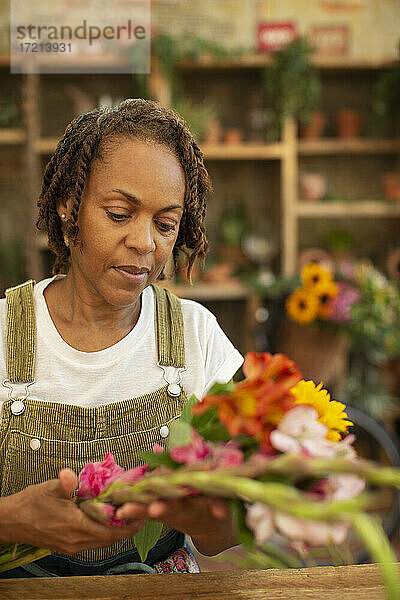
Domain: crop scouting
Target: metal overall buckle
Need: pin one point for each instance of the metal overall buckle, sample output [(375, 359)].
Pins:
[(174, 388), (18, 406)]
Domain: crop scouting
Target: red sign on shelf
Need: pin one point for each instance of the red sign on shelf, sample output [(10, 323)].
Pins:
[(274, 36)]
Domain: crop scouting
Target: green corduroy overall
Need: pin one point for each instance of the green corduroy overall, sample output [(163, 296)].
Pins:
[(38, 438)]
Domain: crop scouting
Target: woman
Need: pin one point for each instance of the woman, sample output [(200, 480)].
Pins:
[(99, 359)]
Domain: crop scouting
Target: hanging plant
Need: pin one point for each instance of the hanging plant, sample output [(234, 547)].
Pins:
[(169, 51)]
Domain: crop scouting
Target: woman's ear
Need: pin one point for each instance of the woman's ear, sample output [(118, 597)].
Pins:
[(64, 209)]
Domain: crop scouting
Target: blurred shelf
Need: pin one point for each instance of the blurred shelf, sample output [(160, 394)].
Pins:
[(248, 61), (243, 151), (12, 136), (41, 241), (348, 62), (364, 208), (46, 145), (253, 151), (257, 61), (350, 146), (210, 291)]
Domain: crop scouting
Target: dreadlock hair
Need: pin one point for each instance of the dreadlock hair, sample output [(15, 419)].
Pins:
[(84, 140)]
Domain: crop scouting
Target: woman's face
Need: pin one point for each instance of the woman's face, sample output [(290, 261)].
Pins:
[(128, 220)]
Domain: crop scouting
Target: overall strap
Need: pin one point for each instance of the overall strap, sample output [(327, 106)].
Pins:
[(21, 333), (169, 328)]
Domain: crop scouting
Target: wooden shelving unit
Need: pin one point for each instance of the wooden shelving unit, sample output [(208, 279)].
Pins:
[(244, 151), (352, 146), (364, 208), (289, 151), (333, 146), (259, 61), (210, 292), (11, 137)]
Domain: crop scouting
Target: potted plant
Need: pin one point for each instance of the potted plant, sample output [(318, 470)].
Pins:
[(315, 128), (387, 96), (198, 115), (291, 84)]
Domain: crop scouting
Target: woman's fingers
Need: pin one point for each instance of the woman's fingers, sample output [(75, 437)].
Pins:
[(69, 481), (219, 509), (130, 511)]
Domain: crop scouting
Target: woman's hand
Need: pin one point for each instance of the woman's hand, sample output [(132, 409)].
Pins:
[(44, 516), (207, 520)]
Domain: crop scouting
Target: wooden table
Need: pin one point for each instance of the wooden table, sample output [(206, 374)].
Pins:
[(333, 583)]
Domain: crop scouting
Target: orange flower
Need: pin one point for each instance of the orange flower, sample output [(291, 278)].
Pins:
[(257, 404)]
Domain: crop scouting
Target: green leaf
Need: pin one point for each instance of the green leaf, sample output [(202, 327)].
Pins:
[(147, 537), (187, 415), (201, 422), (157, 459), (221, 388), (216, 432), (180, 434), (244, 534)]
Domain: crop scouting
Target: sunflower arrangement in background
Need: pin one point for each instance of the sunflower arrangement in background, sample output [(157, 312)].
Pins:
[(313, 299)]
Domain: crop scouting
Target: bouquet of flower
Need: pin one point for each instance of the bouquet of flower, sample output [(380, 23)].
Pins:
[(277, 448), (360, 301), (357, 298)]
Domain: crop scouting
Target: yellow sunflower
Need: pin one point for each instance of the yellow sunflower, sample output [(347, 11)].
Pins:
[(302, 306), (330, 412), (313, 274), (325, 291)]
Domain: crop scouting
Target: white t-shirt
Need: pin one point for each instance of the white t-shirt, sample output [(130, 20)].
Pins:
[(128, 368)]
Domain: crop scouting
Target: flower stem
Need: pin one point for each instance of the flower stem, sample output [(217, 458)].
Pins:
[(222, 483), (372, 535)]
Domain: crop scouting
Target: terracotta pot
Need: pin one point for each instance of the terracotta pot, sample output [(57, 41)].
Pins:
[(315, 128), (348, 123), (312, 186), (391, 185), (233, 136)]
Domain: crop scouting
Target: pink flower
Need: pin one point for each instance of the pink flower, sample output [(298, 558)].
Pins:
[(112, 521), (341, 304), (191, 453), (299, 431), (133, 475), (227, 455), (259, 518), (96, 476), (104, 513), (157, 448), (308, 531), (345, 485), (263, 521)]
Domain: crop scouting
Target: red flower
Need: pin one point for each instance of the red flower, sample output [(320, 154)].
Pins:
[(257, 404)]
